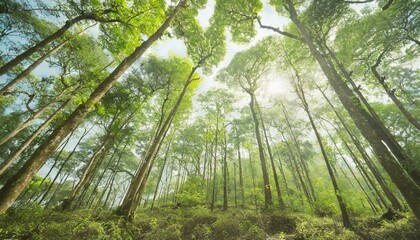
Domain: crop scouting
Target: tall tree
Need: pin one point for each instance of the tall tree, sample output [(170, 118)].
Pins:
[(245, 70)]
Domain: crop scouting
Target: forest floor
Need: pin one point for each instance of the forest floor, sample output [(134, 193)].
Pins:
[(198, 223)]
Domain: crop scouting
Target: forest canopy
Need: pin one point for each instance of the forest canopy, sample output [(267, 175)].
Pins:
[(218, 119)]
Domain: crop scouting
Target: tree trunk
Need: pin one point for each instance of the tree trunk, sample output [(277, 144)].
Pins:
[(362, 119), (376, 123), (225, 182), (12, 188), (344, 214), (6, 164), (130, 202), (165, 159), (63, 164), (394, 201), (273, 167), (29, 121), (305, 169), (267, 190), (88, 174), (35, 64), (213, 194), (241, 181)]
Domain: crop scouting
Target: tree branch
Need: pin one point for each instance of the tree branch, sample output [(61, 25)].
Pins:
[(279, 31)]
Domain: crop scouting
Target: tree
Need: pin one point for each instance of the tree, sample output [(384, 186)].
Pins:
[(245, 70)]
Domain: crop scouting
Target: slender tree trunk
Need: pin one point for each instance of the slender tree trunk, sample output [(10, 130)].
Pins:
[(225, 181), (305, 169), (361, 118), (16, 184), (29, 121), (62, 181), (234, 186), (86, 131), (241, 181), (273, 167), (130, 203), (394, 201), (88, 173), (295, 164), (12, 157), (254, 185), (165, 159), (375, 210), (267, 189), (213, 195), (35, 64), (113, 170), (344, 214)]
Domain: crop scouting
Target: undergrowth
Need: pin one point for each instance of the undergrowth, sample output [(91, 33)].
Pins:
[(197, 223)]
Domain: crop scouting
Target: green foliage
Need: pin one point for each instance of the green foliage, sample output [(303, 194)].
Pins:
[(239, 16), (406, 228), (323, 228), (195, 223), (198, 225), (193, 192)]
